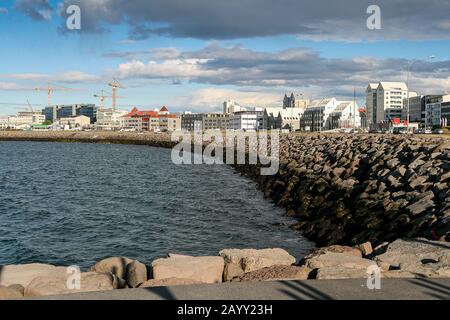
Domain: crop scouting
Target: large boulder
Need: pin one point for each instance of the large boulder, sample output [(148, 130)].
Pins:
[(277, 272), (9, 293), (338, 260), (168, 282), (90, 281), (23, 274), (136, 273), (419, 256), (201, 269), (114, 265), (240, 261), (341, 273)]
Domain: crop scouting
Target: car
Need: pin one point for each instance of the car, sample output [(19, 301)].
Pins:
[(428, 131), (400, 130), (438, 131)]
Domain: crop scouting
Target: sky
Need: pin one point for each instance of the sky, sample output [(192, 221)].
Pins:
[(191, 55)]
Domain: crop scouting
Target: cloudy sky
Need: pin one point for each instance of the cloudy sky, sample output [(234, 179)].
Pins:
[(194, 54)]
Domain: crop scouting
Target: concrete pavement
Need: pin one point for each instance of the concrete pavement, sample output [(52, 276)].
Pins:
[(349, 289)]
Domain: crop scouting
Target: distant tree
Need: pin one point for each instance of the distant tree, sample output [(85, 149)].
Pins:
[(47, 122)]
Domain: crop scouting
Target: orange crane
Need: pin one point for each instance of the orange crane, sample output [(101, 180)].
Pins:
[(114, 84)]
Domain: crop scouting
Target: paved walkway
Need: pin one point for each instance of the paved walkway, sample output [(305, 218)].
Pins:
[(351, 289)]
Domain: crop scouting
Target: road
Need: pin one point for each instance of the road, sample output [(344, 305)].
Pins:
[(349, 289)]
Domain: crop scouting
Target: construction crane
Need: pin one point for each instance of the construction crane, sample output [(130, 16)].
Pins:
[(114, 84), (102, 98), (50, 89)]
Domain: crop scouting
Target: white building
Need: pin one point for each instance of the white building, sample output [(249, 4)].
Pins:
[(75, 122), (345, 116), (317, 116), (230, 106), (247, 120), (107, 119), (23, 120), (389, 101)]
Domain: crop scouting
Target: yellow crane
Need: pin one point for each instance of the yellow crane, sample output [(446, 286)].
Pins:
[(50, 89)]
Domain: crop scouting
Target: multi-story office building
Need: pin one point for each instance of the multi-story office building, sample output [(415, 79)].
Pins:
[(191, 121), (433, 111), (56, 112), (247, 120), (215, 121), (22, 120)]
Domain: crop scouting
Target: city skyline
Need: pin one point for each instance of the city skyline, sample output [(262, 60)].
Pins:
[(195, 56)]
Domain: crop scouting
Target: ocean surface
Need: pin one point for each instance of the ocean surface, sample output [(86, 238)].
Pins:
[(74, 204)]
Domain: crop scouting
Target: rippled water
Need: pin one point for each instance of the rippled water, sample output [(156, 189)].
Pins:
[(76, 203)]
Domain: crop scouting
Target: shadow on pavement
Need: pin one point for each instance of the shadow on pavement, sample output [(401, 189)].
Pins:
[(299, 290), (163, 292), (437, 290)]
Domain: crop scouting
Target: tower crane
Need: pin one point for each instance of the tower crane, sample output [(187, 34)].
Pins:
[(50, 89), (115, 85)]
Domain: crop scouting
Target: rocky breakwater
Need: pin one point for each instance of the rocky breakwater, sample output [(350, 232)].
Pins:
[(349, 189), (403, 258)]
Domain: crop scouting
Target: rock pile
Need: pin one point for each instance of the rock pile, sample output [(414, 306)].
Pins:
[(411, 258), (347, 189)]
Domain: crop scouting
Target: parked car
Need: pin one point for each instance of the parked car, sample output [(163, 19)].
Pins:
[(400, 130), (428, 131), (419, 131), (438, 131)]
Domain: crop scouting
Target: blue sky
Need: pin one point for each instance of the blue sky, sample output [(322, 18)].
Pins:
[(196, 60)]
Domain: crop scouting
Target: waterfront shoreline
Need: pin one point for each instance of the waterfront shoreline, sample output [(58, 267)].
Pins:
[(373, 190)]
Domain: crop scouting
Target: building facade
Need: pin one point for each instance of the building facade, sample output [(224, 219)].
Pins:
[(108, 119), (56, 112), (155, 120), (371, 103), (191, 121), (317, 116), (230, 106), (246, 121), (389, 102), (346, 116), (75, 122)]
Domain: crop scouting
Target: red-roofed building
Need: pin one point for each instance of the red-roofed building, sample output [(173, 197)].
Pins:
[(154, 120)]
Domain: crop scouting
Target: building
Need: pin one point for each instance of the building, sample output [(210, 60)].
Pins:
[(445, 110), (22, 120), (247, 120), (212, 121), (346, 116), (230, 106), (417, 107), (289, 118), (155, 120), (437, 111), (317, 116), (108, 119), (271, 119), (64, 111), (293, 102), (371, 103), (389, 101), (191, 121), (73, 122)]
